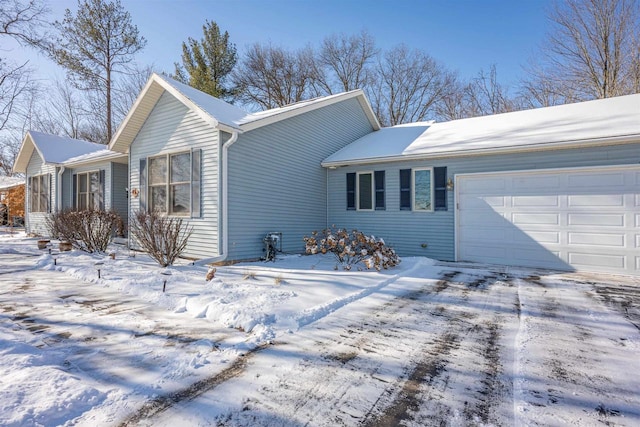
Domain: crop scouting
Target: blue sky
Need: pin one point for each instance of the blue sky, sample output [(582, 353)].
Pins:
[(464, 35)]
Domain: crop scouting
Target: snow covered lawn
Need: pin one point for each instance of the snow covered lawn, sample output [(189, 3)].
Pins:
[(296, 343)]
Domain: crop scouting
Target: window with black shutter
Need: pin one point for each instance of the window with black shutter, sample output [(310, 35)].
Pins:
[(405, 189), (351, 191), (440, 188)]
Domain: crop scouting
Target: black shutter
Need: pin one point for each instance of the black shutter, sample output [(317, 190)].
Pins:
[(143, 185), (74, 194), (30, 198), (405, 189), (440, 188), (101, 195), (351, 191), (379, 187), (196, 171)]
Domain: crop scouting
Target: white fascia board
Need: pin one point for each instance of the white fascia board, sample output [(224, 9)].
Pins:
[(563, 145), (314, 106)]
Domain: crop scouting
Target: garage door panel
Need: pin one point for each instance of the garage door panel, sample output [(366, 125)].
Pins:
[(596, 220), (481, 185), (589, 181), (597, 260), (597, 239), (585, 219), (545, 237), (535, 182), (535, 201), (604, 200), (533, 218)]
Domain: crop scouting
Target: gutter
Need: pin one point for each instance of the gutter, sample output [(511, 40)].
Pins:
[(225, 203), (561, 145)]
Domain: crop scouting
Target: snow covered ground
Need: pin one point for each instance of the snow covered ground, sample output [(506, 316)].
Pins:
[(296, 343)]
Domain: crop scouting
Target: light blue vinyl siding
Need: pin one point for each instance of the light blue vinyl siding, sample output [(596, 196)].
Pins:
[(276, 182), (408, 231), (35, 221), (172, 128)]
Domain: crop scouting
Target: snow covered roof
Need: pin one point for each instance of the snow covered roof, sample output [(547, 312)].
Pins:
[(604, 121), (219, 114), (9, 182), (54, 149)]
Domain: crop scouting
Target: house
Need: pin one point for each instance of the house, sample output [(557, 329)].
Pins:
[(11, 202), (235, 176), (555, 187), (63, 173)]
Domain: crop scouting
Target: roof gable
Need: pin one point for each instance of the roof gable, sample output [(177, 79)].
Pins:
[(219, 114), (52, 149), (610, 120)]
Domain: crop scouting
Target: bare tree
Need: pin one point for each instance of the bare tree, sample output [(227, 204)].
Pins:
[(270, 76), (485, 95), (591, 52), (94, 44), (23, 20), (127, 88), (408, 85), (344, 63)]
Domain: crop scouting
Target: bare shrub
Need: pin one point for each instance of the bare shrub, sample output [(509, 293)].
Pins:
[(164, 238), (351, 248), (88, 230)]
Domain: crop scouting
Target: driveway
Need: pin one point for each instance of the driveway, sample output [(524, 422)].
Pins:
[(441, 344)]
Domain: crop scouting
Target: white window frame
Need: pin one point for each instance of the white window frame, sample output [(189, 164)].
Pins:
[(373, 191), (168, 183), (39, 193), (88, 193), (413, 189)]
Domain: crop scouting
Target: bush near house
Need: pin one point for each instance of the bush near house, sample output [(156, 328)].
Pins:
[(164, 238), (88, 230), (15, 201), (351, 248)]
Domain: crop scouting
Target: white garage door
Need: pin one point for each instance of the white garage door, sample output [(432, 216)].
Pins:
[(569, 219)]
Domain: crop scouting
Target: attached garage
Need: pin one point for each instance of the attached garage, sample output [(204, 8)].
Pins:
[(568, 219)]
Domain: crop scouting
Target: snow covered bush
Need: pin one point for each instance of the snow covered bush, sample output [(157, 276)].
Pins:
[(89, 230), (351, 248), (164, 238)]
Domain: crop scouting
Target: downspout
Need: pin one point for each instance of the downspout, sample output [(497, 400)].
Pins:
[(59, 188), (225, 203)]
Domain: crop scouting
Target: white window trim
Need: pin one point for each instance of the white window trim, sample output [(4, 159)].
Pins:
[(413, 189), (168, 182), (373, 191), (88, 187), (38, 193)]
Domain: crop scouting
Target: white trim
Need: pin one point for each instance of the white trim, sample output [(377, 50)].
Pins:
[(413, 189), (373, 191), (456, 243), (562, 145)]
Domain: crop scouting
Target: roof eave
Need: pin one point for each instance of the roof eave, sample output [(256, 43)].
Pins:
[(559, 145)]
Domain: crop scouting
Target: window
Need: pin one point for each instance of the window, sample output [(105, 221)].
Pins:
[(440, 188), (173, 182), (422, 189), (351, 191), (379, 186), (89, 190), (405, 189), (368, 189), (365, 191), (39, 193)]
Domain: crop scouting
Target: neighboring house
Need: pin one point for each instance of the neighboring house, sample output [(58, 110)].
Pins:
[(64, 173), (555, 187), (11, 202), (235, 176)]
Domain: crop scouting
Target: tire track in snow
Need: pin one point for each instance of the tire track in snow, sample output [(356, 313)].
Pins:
[(164, 402)]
